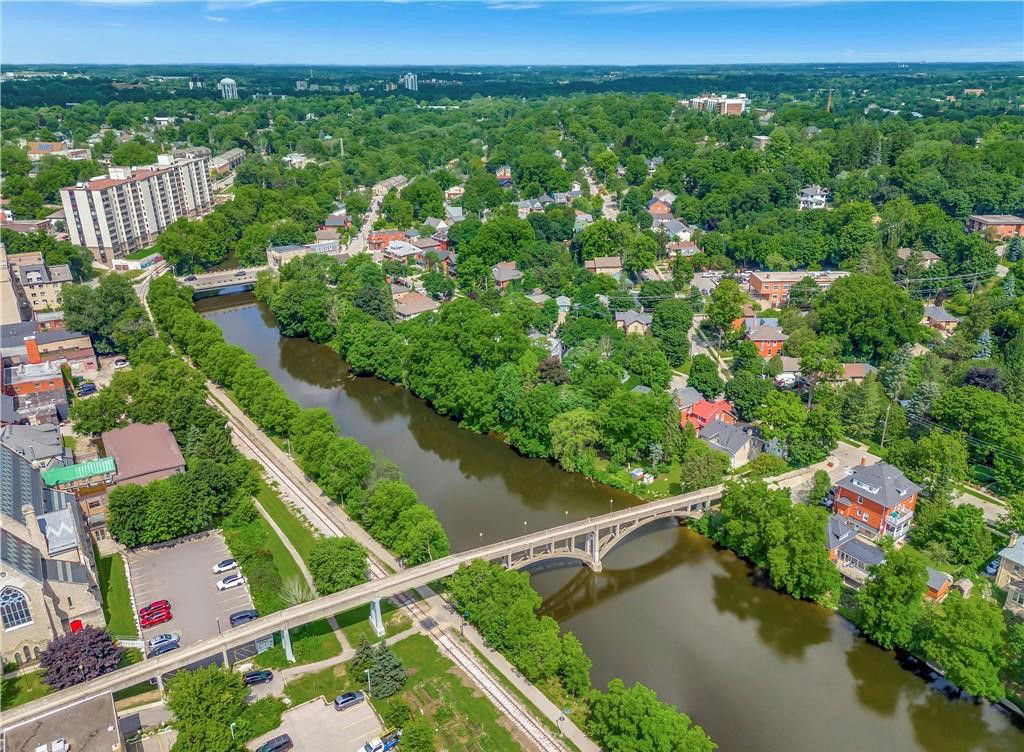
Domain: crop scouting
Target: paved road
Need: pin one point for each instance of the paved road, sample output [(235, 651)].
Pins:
[(214, 280), (608, 211), (315, 726), (358, 243), (992, 512)]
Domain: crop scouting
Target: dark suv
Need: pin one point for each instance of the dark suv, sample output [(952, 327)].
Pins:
[(243, 617), (277, 744)]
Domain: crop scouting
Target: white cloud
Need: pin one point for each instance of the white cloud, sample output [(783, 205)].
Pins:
[(509, 5), (216, 19)]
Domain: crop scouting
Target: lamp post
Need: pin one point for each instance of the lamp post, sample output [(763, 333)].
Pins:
[(560, 719), (611, 505), (368, 689), (232, 727)]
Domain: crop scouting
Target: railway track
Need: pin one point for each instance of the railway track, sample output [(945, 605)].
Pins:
[(323, 519)]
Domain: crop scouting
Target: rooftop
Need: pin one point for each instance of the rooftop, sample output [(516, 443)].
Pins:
[(409, 304), (882, 483), (69, 473), (727, 438), (142, 449), (89, 726), (999, 219), (1014, 552)]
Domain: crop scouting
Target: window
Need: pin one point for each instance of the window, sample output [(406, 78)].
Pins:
[(14, 608)]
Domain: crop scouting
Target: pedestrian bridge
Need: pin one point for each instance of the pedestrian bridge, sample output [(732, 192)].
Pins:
[(211, 281), (587, 541)]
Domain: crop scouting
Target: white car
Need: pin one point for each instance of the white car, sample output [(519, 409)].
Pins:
[(224, 566), (121, 363), (232, 580)]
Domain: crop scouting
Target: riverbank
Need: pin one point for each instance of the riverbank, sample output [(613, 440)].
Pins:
[(669, 609)]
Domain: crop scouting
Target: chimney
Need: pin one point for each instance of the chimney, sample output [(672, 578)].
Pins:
[(1014, 537), (863, 460), (33, 350)]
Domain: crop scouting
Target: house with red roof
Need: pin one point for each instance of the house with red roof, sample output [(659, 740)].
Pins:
[(700, 414)]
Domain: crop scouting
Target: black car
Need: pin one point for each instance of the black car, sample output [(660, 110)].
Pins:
[(257, 677), (164, 647), (277, 744), (86, 389), (347, 700), (190, 278), (243, 617)]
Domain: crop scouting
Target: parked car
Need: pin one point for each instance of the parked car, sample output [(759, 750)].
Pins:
[(190, 278), (224, 566), (348, 700), (243, 617), (153, 618), (257, 677), (155, 606), (386, 742), (240, 273), (161, 639), (86, 389), (121, 363), (277, 744), (232, 580), (166, 647), (992, 567)]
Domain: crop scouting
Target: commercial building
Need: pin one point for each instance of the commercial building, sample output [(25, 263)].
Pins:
[(1000, 225), (144, 452), (48, 575), (774, 287), (410, 81), (719, 104), (228, 88), (89, 726), (115, 215)]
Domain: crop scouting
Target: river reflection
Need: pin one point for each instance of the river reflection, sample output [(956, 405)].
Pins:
[(759, 670)]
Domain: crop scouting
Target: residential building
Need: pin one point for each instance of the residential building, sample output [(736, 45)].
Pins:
[(665, 195), (296, 160), (403, 251), (144, 452), (633, 322), (812, 197), (35, 377), (939, 318), (453, 214), (610, 265), (705, 412), (454, 193), (409, 305), (939, 584), (855, 557), (878, 498), (115, 215), (379, 239), (973, 92), (676, 230), (89, 726), (1010, 575), (653, 164), (503, 172), (37, 150), (582, 220), (774, 287), (659, 209), (505, 273), (48, 580), (42, 445), (327, 241), (39, 285), (766, 334), (338, 219), (739, 441), (528, 206), (685, 248), (227, 161), (538, 297), (928, 259), (855, 372), (27, 225), (686, 397), (718, 104), (553, 345), (228, 88), (999, 225), (761, 142), (409, 81)]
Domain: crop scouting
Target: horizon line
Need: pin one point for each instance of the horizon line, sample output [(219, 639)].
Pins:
[(531, 65)]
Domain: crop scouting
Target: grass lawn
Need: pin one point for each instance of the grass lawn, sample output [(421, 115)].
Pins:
[(463, 719), (300, 536), (117, 602), (666, 484), (329, 682), (310, 643), (356, 623), (17, 690)]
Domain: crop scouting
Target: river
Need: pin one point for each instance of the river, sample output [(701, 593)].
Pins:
[(758, 670)]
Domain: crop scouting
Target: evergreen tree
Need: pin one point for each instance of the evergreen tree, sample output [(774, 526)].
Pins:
[(1015, 250), (387, 675), (364, 656), (984, 351)]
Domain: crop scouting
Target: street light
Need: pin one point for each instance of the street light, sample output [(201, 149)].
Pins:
[(368, 681), (611, 505)]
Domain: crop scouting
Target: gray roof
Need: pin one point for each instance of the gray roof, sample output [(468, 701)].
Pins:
[(1014, 552), (60, 530), (46, 274), (433, 222), (540, 298), (633, 317), (454, 213), (753, 322), (882, 483), (8, 412), (50, 336), (838, 531), (16, 333), (767, 334), (813, 190), (727, 438), (506, 271), (687, 396), (938, 313), (937, 579), (33, 442), (22, 556), (336, 220), (641, 389), (868, 553), (674, 226), (22, 485), (563, 301)]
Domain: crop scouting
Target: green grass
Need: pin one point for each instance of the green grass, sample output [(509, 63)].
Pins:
[(140, 254), (310, 643), (117, 602), (356, 623), (17, 690), (300, 536), (284, 562), (329, 682), (666, 484)]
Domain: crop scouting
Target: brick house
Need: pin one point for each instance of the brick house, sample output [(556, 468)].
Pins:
[(505, 273), (379, 239), (940, 319), (879, 499), (1000, 225), (704, 412), (774, 287), (766, 335), (659, 209)]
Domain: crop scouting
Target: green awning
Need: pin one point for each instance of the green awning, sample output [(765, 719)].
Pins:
[(59, 474)]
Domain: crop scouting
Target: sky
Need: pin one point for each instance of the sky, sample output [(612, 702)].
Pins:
[(509, 32)]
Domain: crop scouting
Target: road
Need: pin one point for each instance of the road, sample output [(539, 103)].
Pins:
[(608, 211), (358, 243)]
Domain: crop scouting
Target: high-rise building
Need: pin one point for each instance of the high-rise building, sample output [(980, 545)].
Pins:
[(410, 81), (721, 105), (228, 88), (195, 81), (124, 211)]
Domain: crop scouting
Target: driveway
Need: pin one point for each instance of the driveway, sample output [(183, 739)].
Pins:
[(315, 726), (181, 573)]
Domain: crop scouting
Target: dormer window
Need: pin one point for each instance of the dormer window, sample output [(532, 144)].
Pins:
[(866, 486)]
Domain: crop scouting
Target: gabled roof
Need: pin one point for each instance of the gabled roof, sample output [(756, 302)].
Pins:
[(506, 271), (633, 317), (938, 313), (838, 531), (687, 396), (728, 438), (1014, 552), (868, 553), (937, 579), (767, 334), (882, 483), (21, 556)]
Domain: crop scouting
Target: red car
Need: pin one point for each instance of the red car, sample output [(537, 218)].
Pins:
[(155, 606), (153, 618)]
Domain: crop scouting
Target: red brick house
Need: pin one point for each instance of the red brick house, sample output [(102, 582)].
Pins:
[(766, 335), (659, 209), (879, 499), (1000, 225), (379, 239), (704, 412)]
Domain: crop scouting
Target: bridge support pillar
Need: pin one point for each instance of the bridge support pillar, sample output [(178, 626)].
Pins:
[(594, 549), (286, 643), (160, 682), (376, 620)]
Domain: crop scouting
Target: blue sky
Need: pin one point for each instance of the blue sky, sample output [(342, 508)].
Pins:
[(425, 32)]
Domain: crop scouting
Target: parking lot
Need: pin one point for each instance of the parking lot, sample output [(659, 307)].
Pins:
[(181, 573), (315, 726)]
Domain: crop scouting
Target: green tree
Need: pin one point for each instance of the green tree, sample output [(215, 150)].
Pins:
[(574, 668), (870, 317), (966, 637), (671, 322), (574, 435), (890, 605), (418, 736), (207, 695), (798, 563), (747, 393), (959, 530), (704, 376), (937, 460), (387, 675), (633, 720), (726, 306), (337, 564)]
